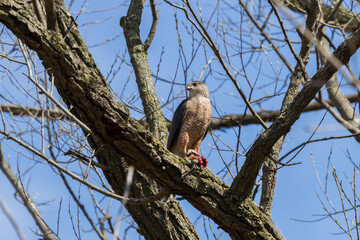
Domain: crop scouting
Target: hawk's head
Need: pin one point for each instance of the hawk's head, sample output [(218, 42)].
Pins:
[(197, 88)]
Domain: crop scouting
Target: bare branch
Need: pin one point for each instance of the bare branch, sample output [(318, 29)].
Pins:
[(342, 19), (317, 140), (300, 62), (226, 121), (86, 159), (75, 119), (349, 118), (18, 110)]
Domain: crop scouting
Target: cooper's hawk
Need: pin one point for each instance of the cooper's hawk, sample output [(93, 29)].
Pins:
[(190, 123)]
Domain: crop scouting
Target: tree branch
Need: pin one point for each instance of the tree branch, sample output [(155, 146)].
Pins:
[(227, 121), (349, 119)]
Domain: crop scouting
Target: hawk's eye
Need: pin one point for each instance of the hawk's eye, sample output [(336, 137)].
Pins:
[(194, 84)]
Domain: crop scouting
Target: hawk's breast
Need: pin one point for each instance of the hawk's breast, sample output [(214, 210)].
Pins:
[(197, 118)]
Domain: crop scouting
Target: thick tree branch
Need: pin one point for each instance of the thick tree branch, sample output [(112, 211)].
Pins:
[(344, 107), (245, 180)]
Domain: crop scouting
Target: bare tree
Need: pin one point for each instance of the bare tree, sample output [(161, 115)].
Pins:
[(66, 115)]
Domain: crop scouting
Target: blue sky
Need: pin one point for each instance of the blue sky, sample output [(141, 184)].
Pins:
[(297, 186)]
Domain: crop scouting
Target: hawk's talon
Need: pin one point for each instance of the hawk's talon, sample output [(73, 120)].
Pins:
[(192, 152)]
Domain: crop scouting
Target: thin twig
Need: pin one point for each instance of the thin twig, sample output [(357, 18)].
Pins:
[(287, 40), (129, 180), (86, 159), (317, 140), (341, 193)]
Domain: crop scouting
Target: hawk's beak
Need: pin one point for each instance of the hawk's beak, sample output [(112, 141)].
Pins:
[(188, 87)]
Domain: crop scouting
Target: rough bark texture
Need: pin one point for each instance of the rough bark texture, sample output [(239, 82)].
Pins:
[(120, 140)]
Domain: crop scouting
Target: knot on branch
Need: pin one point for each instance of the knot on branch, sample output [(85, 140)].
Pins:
[(131, 21)]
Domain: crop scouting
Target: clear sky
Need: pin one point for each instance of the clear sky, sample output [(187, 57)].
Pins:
[(298, 194)]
